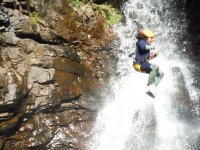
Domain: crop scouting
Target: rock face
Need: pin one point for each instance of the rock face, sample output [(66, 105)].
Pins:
[(181, 104), (193, 18), (52, 62)]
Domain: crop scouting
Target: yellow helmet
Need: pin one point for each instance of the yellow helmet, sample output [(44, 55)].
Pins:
[(145, 33)]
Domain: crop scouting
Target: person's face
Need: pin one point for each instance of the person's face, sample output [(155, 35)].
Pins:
[(150, 40)]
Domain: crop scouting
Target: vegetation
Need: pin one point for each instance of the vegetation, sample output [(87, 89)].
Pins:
[(87, 25), (76, 3), (34, 17), (110, 14)]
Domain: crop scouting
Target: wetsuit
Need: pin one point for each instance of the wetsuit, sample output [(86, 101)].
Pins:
[(141, 62)]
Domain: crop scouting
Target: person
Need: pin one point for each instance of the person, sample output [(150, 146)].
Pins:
[(145, 51)]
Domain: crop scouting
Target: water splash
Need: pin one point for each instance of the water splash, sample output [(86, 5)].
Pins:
[(133, 120)]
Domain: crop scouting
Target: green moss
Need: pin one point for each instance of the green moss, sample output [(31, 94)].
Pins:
[(110, 14), (34, 17), (78, 23), (76, 3)]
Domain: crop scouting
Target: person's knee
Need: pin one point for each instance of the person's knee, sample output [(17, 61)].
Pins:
[(161, 74), (155, 68), (157, 71)]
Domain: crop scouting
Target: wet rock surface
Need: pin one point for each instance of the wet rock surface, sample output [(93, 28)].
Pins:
[(181, 97), (51, 74), (193, 17)]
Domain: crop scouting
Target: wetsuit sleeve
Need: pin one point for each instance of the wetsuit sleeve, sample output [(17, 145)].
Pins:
[(144, 46), (150, 47)]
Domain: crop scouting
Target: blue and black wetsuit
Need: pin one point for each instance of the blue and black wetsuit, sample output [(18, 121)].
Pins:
[(142, 55)]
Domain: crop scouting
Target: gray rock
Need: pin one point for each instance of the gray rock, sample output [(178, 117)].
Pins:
[(7, 1), (11, 95), (4, 116), (40, 75), (9, 38), (12, 89), (2, 28), (13, 53)]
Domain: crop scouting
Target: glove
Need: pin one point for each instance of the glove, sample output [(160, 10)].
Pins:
[(130, 55)]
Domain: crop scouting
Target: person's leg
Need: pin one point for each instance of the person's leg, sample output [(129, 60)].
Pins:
[(151, 70), (146, 67), (158, 77), (155, 75), (152, 74)]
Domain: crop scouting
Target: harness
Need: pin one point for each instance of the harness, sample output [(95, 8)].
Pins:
[(137, 67)]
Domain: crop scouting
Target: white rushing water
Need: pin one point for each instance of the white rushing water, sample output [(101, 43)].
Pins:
[(135, 121)]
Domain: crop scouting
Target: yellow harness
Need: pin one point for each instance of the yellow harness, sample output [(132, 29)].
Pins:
[(137, 67)]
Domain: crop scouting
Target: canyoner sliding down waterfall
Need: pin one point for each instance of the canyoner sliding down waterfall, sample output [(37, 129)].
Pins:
[(144, 53), (131, 119)]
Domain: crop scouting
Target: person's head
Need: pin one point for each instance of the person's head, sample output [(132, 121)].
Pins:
[(146, 34)]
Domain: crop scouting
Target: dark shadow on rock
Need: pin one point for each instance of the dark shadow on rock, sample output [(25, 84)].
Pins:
[(55, 105), (181, 100), (69, 67), (39, 39)]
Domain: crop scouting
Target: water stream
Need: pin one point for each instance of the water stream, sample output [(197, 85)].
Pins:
[(134, 121)]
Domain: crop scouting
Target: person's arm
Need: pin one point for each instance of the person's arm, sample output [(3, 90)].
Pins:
[(144, 46), (130, 55), (150, 47), (153, 54)]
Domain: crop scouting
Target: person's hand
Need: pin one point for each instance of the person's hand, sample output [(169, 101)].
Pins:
[(130, 55), (154, 53)]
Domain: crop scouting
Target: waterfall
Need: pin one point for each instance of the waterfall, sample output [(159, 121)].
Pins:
[(134, 121)]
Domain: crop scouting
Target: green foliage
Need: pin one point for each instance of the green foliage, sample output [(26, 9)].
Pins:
[(76, 3), (34, 17), (78, 23), (111, 15)]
